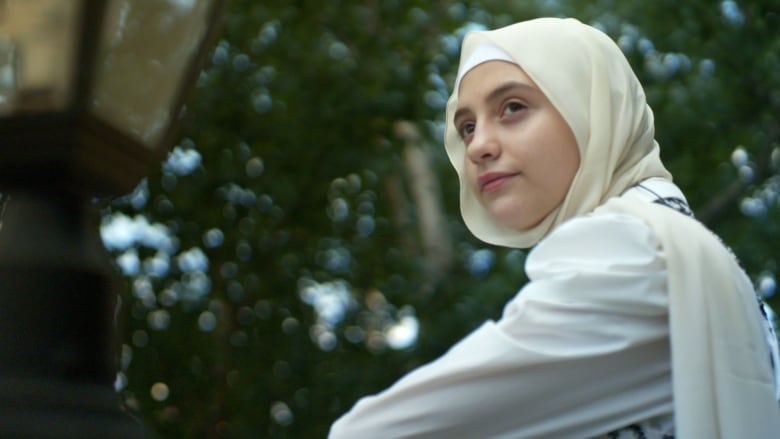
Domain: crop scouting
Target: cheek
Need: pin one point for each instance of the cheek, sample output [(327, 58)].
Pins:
[(559, 160), (564, 145), (568, 163), (572, 152), (469, 174)]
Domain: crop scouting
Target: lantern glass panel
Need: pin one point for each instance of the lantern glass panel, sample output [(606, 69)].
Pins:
[(37, 52), (147, 48)]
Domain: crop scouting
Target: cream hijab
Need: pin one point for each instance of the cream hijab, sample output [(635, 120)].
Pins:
[(722, 380), (589, 81)]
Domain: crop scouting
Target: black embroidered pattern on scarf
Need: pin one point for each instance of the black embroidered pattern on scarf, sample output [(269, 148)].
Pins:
[(676, 204), (633, 432), (672, 202)]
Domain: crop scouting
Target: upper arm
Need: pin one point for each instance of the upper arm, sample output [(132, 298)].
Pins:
[(583, 345), (596, 282)]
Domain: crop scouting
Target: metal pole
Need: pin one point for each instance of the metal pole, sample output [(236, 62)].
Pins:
[(57, 361)]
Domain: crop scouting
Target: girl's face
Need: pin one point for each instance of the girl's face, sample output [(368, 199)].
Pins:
[(521, 155)]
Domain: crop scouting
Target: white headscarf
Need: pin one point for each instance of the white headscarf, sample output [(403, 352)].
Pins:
[(586, 77), (722, 379)]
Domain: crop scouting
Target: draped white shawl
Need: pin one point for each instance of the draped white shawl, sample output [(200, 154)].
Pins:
[(722, 387)]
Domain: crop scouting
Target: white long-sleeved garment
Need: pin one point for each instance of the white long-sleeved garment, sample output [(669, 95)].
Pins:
[(581, 351)]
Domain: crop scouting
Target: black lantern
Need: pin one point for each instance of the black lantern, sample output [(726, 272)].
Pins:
[(90, 95)]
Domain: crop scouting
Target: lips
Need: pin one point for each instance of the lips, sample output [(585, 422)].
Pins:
[(491, 181)]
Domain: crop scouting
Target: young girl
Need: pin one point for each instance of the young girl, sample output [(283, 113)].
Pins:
[(636, 321)]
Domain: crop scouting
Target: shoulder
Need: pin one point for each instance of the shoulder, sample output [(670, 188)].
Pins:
[(598, 237), (598, 283), (610, 262)]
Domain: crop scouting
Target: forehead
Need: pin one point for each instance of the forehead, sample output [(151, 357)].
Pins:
[(486, 78)]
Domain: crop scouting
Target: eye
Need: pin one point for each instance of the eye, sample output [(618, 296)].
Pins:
[(512, 107), (466, 129)]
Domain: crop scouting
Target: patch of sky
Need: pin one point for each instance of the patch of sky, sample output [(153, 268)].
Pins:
[(182, 5), (746, 173), (645, 46), (365, 225), (330, 300), (435, 99), (221, 53), (125, 357), (338, 50), (281, 413), (241, 62), (335, 259), (168, 297), (197, 284), (158, 265), (706, 68), (267, 35), (731, 12), (158, 319), (254, 167), (237, 195), (766, 285), (207, 321), (450, 44), (403, 333), (136, 199), (476, 25), (192, 260), (480, 262), (213, 238), (457, 11), (752, 207), (261, 101), (418, 16), (120, 232), (129, 262), (323, 336), (338, 210), (182, 161), (120, 382), (142, 288), (739, 157), (437, 82)]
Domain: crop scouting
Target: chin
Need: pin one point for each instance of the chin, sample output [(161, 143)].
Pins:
[(510, 214), (517, 221)]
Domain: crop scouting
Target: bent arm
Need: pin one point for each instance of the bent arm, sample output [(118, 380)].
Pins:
[(581, 350)]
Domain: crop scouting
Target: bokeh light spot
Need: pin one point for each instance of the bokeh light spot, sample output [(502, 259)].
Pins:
[(160, 392)]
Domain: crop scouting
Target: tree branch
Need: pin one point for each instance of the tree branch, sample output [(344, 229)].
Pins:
[(714, 211), (426, 192)]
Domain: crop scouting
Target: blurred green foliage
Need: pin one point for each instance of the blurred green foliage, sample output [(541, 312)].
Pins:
[(296, 266)]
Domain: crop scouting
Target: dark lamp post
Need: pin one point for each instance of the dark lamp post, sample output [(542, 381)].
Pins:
[(91, 92)]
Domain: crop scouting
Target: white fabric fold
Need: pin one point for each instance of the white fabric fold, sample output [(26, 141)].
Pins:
[(580, 351), (723, 381)]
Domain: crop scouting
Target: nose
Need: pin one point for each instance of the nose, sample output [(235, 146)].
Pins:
[(484, 145)]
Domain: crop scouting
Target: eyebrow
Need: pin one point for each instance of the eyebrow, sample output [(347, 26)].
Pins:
[(498, 91)]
